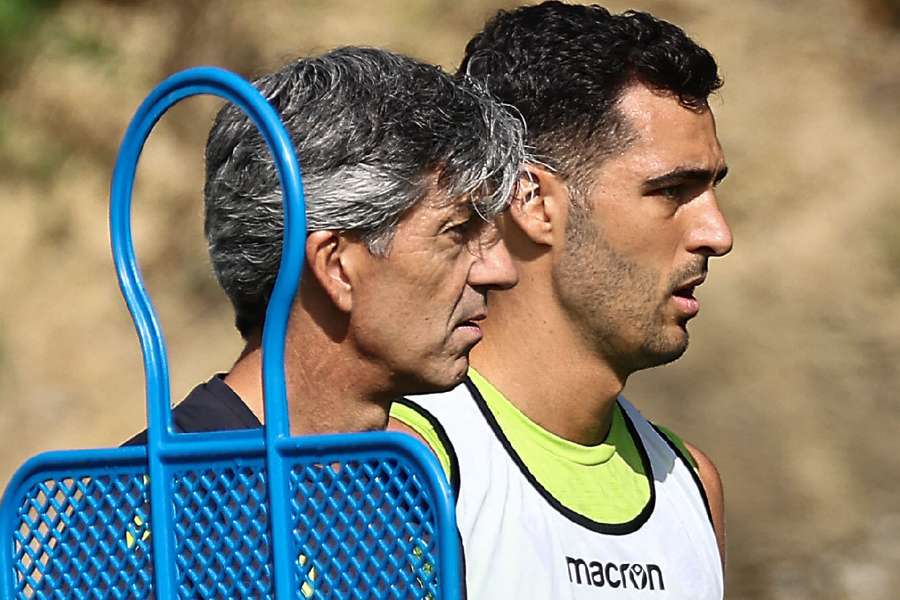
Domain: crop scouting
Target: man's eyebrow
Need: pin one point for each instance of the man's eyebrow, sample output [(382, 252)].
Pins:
[(687, 174)]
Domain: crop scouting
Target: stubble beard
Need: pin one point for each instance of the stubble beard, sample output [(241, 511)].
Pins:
[(614, 302)]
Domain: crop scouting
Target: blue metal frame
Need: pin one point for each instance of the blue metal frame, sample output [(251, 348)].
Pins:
[(167, 451)]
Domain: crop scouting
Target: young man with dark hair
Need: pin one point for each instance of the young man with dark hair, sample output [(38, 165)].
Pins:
[(564, 489)]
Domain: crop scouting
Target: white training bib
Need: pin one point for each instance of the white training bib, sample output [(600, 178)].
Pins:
[(522, 543)]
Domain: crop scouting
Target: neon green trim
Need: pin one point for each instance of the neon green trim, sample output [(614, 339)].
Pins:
[(605, 483), (418, 423), (138, 524), (679, 443), (308, 586)]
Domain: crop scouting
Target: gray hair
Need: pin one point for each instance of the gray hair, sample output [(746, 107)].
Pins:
[(374, 132)]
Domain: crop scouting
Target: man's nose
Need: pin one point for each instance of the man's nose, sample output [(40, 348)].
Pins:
[(710, 233), (494, 267)]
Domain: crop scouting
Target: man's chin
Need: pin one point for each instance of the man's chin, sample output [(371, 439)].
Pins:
[(660, 352), (440, 380), (454, 376), (453, 379)]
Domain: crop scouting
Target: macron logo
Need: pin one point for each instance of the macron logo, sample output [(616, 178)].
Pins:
[(615, 575)]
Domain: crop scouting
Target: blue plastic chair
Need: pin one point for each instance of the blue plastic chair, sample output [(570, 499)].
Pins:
[(232, 514)]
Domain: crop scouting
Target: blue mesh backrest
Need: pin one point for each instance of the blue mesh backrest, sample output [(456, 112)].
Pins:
[(249, 514), (360, 529), (222, 531), (364, 528), (84, 536)]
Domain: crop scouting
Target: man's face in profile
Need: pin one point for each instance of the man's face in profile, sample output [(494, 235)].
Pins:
[(635, 256), (417, 310)]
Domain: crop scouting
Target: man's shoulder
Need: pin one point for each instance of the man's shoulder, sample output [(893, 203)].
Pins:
[(210, 406), (703, 471), (453, 409), (433, 419), (421, 410), (672, 439)]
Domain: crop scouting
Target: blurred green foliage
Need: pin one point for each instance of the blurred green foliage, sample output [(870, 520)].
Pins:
[(19, 21), (90, 47), (38, 160), (25, 24), (5, 125)]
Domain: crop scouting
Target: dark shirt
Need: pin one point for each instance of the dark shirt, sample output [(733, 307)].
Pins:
[(211, 406)]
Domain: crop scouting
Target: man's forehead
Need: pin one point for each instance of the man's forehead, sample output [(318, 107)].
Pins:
[(667, 135), (441, 204)]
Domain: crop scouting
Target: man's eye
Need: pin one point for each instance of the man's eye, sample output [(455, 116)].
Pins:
[(460, 229), (673, 192), (681, 193)]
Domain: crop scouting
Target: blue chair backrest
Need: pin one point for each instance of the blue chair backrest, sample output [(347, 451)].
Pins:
[(230, 514)]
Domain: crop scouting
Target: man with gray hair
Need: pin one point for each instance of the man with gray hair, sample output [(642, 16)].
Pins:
[(404, 169)]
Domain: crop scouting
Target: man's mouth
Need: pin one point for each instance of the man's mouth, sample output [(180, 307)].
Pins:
[(684, 296), (472, 321), (684, 292), (687, 288), (470, 327)]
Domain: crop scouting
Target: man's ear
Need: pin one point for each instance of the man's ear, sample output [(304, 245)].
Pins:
[(326, 256), (540, 205)]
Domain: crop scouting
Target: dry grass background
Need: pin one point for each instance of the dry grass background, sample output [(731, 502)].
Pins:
[(791, 381)]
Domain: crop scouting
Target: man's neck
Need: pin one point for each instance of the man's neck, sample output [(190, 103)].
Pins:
[(328, 392), (535, 356)]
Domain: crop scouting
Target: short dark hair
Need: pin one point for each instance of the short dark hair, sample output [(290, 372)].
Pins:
[(564, 67), (375, 132)]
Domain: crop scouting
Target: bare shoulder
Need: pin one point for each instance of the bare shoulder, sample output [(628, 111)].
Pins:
[(709, 474), (712, 484)]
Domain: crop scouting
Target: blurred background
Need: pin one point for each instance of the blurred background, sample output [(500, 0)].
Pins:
[(792, 377)]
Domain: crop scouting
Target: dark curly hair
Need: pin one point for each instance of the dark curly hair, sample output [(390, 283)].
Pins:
[(564, 67)]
